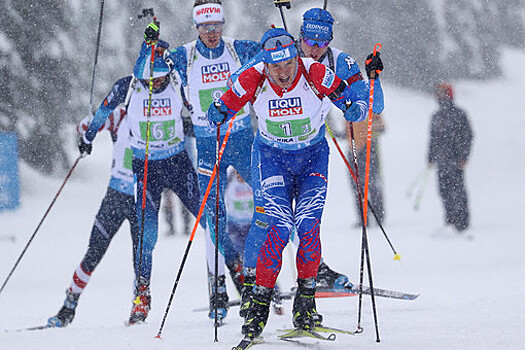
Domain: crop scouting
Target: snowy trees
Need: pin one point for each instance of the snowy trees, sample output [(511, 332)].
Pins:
[(47, 50)]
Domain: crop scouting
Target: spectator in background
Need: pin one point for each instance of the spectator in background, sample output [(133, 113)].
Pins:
[(449, 148)]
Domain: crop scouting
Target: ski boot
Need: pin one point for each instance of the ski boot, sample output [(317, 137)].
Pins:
[(247, 292), (329, 279), (66, 314), (221, 298), (141, 304), (258, 314), (304, 311), (235, 269)]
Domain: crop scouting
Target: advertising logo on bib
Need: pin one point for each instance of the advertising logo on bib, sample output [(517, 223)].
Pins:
[(159, 107), (285, 107), (215, 72)]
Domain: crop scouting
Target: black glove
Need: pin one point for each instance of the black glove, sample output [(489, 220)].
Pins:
[(83, 147), (373, 65), (152, 32)]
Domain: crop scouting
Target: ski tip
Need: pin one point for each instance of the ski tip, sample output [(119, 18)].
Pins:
[(397, 257), (158, 337)]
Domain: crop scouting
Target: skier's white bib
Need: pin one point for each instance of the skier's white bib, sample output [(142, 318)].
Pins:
[(207, 82), (292, 121), (165, 122)]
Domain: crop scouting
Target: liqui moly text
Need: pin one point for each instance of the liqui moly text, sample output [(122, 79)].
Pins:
[(285, 107), (159, 107), (215, 72)]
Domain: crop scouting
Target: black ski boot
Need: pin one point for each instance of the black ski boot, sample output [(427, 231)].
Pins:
[(222, 298), (247, 292), (304, 311), (141, 304), (328, 278), (257, 317), (66, 314)]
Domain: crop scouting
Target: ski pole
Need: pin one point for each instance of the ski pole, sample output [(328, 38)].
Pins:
[(195, 226), (216, 282), (364, 250), (40, 223), (280, 4), (421, 189), (369, 136), (396, 255), (96, 56), (411, 188), (137, 300)]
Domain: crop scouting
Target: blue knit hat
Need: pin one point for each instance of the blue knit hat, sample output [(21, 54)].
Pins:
[(277, 46), (317, 24)]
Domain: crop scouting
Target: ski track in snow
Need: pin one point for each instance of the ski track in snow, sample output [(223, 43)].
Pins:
[(472, 292)]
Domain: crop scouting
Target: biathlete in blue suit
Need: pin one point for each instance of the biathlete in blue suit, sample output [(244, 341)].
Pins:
[(169, 166), (117, 206), (313, 42), (205, 65), (290, 96)]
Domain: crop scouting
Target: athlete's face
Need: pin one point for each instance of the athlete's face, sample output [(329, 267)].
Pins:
[(314, 51), (210, 33), (283, 73), (157, 82)]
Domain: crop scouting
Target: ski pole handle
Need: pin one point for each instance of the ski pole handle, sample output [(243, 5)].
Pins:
[(282, 3), (377, 47)]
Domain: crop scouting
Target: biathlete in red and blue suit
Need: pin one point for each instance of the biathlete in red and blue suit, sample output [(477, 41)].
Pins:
[(289, 164)]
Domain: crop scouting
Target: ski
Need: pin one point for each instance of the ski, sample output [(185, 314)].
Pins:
[(385, 293), (305, 333), (34, 328), (322, 293), (347, 291), (325, 329), (247, 343)]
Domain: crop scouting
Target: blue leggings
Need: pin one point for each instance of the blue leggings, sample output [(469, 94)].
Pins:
[(175, 173), (285, 177), (114, 209), (237, 155)]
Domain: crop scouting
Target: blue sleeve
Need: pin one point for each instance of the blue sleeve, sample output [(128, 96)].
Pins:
[(379, 99), (178, 59), (116, 96), (346, 69), (246, 49), (141, 69), (175, 58), (250, 63)]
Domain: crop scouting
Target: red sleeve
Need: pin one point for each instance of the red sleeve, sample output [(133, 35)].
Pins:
[(242, 91), (323, 78)]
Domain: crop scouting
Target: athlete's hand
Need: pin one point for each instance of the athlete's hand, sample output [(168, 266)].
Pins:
[(152, 32), (84, 147), (217, 113), (373, 65), (352, 112)]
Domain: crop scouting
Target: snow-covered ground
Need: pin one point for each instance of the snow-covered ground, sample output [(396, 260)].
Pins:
[(472, 292)]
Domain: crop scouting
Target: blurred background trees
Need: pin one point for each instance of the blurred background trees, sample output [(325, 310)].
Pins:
[(47, 50)]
